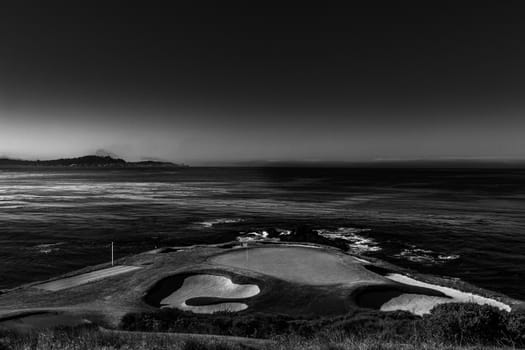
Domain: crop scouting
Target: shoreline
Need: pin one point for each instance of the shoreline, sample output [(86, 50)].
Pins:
[(195, 259), (376, 265)]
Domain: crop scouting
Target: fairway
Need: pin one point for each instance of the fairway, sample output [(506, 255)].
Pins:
[(42, 320), (304, 265), (84, 278)]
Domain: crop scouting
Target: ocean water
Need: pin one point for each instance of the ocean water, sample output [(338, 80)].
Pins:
[(462, 223)]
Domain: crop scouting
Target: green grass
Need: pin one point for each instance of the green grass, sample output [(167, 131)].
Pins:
[(295, 264)]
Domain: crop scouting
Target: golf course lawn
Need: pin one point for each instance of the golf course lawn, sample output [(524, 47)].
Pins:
[(284, 279), (303, 265)]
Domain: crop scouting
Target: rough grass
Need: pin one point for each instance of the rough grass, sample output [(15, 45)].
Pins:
[(93, 339), (453, 324)]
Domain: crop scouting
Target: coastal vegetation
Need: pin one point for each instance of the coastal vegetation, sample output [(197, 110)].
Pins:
[(290, 304), (449, 326), (89, 161)]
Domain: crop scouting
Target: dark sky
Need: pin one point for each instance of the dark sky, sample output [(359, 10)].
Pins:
[(201, 84)]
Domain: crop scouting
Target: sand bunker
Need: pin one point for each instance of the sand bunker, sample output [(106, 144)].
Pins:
[(298, 264), (422, 304), (215, 289), (84, 278), (416, 304)]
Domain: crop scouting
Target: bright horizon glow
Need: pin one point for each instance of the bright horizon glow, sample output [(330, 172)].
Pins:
[(34, 138), (205, 85)]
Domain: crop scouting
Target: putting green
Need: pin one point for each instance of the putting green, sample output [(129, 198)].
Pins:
[(304, 265)]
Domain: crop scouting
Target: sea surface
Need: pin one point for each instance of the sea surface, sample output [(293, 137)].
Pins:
[(462, 223)]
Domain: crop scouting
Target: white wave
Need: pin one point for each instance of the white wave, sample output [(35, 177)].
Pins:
[(252, 236), (261, 235), (425, 256), (5, 175), (48, 251), (214, 222), (48, 248), (48, 245), (284, 232), (448, 257), (356, 243)]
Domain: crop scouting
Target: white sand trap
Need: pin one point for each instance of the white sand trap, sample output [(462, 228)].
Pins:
[(417, 304), (422, 304), (84, 278), (210, 286), (305, 265)]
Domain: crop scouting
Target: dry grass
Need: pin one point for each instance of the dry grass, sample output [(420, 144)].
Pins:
[(96, 340), (91, 339), (369, 344)]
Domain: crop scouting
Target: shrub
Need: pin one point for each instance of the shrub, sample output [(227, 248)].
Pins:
[(195, 344), (516, 328), (172, 320), (4, 346), (466, 324), (453, 324), (333, 347)]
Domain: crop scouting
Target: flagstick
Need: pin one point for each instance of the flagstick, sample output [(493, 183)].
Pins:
[(111, 253)]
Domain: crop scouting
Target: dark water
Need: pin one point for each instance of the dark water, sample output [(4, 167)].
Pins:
[(462, 223)]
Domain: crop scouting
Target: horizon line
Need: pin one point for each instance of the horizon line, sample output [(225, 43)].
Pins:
[(457, 161)]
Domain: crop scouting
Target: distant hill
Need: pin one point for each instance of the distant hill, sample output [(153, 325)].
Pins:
[(104, 153), (91, 161)]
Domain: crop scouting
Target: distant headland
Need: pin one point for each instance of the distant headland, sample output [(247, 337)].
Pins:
[(89, 161)]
